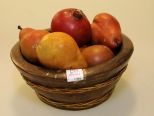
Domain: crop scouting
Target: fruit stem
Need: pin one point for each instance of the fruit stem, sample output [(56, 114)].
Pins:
[(78, 14), (19, 27)]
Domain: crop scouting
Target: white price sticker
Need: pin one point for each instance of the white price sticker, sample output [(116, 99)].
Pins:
[(74, 75)]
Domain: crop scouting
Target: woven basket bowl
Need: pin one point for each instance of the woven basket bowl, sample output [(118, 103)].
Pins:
[(51, 86)]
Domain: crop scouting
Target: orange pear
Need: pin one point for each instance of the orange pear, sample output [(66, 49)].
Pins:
[(59, 50), (29, 38)]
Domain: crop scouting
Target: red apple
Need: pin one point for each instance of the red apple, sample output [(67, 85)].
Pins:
[(73, 22), (97, 54)]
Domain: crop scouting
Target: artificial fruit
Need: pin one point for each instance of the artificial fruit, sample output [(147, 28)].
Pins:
[(73, 22), (29, 40), (97, 54), (58, 50), (106, 30)]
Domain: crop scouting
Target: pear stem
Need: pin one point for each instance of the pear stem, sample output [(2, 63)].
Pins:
[(19, 27)]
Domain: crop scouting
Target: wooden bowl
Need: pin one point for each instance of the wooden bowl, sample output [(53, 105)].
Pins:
[(52, 86)]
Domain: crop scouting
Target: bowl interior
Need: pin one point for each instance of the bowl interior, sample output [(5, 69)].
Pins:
[(108, 68)]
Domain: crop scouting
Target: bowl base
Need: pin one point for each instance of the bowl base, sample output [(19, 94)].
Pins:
[(76, 106)]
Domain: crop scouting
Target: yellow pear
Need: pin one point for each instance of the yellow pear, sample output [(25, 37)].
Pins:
[(58, 50)]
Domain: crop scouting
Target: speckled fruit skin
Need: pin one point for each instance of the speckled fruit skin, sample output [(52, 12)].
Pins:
[(29, 42), (106, 30), (58, 50), (25, 32)]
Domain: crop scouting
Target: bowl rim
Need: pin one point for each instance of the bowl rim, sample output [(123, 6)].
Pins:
[(121, 57)]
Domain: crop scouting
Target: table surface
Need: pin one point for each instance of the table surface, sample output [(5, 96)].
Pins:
[(133, 95)]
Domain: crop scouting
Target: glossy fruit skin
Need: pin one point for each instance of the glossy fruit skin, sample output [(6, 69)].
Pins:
[(97, 54), (106, 30), (29, 42), (58, 50), (25, 32), (73, 22)]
